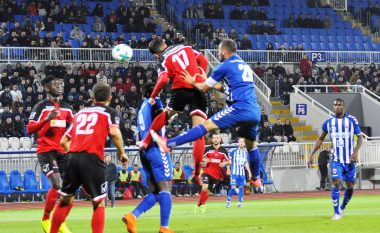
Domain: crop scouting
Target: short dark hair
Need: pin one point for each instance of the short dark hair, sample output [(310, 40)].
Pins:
[(229, 45), (101, 91), (155, 46), (339, 100), (147, 90), (48, 79)]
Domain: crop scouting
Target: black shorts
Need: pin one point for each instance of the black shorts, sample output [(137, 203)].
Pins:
[(52, 162), (87, 170), (210, 180), (192, 97)]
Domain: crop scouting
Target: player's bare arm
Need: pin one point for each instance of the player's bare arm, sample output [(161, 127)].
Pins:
[(318, 144), (354, 155), (117, 140), (65, 142), (246, 165)]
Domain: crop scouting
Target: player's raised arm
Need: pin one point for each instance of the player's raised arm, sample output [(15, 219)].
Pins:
[(162, 80), (117, 140)]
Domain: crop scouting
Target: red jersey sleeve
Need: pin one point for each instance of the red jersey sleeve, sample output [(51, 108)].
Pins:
[(35, 121), (201, 59), (163, 79)]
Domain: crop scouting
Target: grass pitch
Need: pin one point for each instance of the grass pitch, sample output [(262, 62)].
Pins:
[(306, 215)]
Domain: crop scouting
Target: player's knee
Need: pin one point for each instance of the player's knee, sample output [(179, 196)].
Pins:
[(65, 201), (56, 185)]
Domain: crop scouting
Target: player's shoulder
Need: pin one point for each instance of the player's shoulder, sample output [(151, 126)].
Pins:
[(223, 150), (64, 104), (172, 49), (351, 118), (101, 109), (209, 148), (330, 118)]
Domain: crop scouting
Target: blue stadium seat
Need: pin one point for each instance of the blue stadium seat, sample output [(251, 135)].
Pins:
[(342, 46), (359, 47), (341, 39), (4, 184), (67, 27), (333, 46), (15, 181), (315, 46), (324, 46), (358, 39), (30, 182), (368, 47), (44, 183)]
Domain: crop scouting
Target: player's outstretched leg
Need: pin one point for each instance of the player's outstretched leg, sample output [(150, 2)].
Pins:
[(198, 152), (165, 200), (347, 196), (231, 192), (335, 195), (130, 219), (98, 217), (254, 164), (240, 195)]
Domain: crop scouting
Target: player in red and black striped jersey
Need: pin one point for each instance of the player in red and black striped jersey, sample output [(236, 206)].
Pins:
[(50, 119), (214, 159), (85, 141), (174, 60)]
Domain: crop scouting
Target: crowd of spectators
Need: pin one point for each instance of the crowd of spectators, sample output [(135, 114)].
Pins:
[(307, 21), (310, 73)]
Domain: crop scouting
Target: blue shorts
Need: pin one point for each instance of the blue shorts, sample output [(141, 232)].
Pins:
[(247, 117), (342, 171), (237, 180), (157, 165)]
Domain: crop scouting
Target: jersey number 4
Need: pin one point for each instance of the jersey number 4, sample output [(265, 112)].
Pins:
[(184, 61), (247, 73), (86, 123)]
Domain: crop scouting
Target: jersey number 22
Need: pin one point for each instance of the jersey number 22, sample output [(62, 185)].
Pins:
[(247, 73)]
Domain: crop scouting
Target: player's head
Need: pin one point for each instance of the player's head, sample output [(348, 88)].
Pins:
[(177, 165), (216, 139), (124, 166), (101, 92), (241, 143), (135, 167), (53, 85), (339, 106), (156, 47), (227, 48), (147, 90), (108, 158)]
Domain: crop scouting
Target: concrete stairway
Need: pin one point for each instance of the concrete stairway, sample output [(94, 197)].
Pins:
[(302, 131)]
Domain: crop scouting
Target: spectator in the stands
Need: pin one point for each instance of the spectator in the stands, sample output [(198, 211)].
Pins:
[(191, 13), (317, 22), (236, 13), (16, 93), (133, 43), (259, 70), (278, 131), (127, 133), (288, 131), (142, 43), (262, 15), (264, 28), (39, 26), (200, 11), (7, 127), (98, 25), (280, 70), (326, 21), (180, 39), (170, 31), (209, 10), (266, 133), (354, 77), (305, 66), (131, 26), (234, 35), (49, 25), (18, 127), (111, 25), (98, 10), (308, 22), (199, 26), (245, 43), (291, 22), (271, 30)]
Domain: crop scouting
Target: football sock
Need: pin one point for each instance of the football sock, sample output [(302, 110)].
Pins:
[(98, 219), (156, 125), (347, 197), (254, 162), (198, 152), (188, 136), (59, 216), (202, 198), (241, 193), (335, 193), (165, 200), (146, 204), (230, 193), (51, 198)]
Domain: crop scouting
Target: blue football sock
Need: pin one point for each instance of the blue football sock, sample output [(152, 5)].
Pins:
[(254, 162), (146, 204), (335, 194), (165, 200), (188, 136), (230, 193), (347, 197), (241, 193)]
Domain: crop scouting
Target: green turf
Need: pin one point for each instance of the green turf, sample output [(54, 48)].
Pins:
[(283, 216)]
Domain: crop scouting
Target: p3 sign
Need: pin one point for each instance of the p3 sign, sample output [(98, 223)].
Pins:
[(318, 56)]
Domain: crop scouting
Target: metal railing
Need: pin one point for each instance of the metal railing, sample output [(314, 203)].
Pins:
[(284, 155), (14, 54), (338, 5)]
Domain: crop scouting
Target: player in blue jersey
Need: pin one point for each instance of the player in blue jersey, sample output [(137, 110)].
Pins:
[(341, 128), (242, 109), (239, 163), (156, 164)]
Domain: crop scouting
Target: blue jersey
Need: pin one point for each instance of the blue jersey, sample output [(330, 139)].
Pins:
[(145, 117), (238, 160), (342, 136), (237, 79)]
